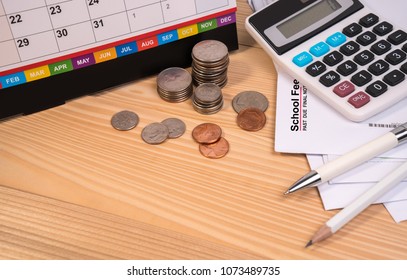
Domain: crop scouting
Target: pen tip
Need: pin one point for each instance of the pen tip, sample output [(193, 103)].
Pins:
[(308, 244), (287, 192)]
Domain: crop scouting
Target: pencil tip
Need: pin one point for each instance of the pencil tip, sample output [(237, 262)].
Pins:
[(308, 244)]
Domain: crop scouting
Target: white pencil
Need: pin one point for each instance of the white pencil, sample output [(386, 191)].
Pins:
[(360, 204)]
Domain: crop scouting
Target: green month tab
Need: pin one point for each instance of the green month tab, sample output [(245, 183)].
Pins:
[(61, 67), (207, 25)]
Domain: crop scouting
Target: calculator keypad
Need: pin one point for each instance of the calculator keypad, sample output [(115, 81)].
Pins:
[(362, 59)]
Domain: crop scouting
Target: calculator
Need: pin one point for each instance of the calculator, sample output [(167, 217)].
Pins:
[(347, 55)]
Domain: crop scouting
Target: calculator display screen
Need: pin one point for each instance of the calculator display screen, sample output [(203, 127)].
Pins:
[(308, 17)]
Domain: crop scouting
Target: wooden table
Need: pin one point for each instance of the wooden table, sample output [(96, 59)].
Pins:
[(72, 187)]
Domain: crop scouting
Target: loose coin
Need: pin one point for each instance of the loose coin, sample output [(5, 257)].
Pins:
[(176, 127), (124, 120), (155, 133), (207, 133), (247, 99), (215, 150), (251, 119)]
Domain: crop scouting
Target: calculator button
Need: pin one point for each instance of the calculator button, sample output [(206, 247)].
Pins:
[(404, 68), (397, 37), (379, 67), (336, 39), (302, 59), (344, 88), (330, 78), (369, 20), (316, 68), (350, 48), (333, 58), (394, 77), (347, 68), (319, 49), (405, 47), (352, 29), (366, 38), (359, 99), (383, 28), (381, 47), (396, 57), (361, 78), (364, 57), (376, 89)]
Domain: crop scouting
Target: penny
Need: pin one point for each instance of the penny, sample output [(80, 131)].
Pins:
[(124, 120), (176, 127), (247, 99), (207, 133), (155, 133), (251, 119), (215, 150)]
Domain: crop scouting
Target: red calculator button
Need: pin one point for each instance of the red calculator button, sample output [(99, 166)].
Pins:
[(359, 99), (344, 89)]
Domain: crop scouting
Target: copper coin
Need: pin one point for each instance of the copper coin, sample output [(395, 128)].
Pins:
[(251, 119), (215, 150), (207, 133)]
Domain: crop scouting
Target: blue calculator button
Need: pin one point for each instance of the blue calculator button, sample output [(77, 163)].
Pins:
[(319, 49), (302, 59), (336, 39)]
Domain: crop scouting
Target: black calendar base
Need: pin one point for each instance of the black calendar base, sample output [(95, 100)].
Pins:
[(55, 90)]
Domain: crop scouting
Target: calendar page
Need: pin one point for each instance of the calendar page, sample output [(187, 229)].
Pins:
[(44, 38)]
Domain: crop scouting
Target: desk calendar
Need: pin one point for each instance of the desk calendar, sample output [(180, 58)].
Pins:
[(55, 50)]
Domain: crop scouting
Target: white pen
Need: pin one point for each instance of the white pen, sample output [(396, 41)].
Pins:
[(360, 204), (352, 159)]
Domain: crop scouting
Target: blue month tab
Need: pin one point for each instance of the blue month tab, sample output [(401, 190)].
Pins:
[(167, 37), (126, 49), (13, 80)]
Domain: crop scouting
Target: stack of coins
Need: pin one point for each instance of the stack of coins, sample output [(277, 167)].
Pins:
[(208, 98), (211, 143), (174, 84), (210, 61)]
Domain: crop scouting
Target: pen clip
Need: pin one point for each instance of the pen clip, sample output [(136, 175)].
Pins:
[(401, 133)]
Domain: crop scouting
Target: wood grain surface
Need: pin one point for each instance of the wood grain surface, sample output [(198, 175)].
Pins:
[(73, 187)]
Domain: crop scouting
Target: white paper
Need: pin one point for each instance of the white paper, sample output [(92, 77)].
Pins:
[(335, 196), (323, 130), (397, 210)]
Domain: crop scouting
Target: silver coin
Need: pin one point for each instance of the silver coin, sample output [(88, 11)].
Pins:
[(248, 99), (209, 51), (155, 133), (174, 79), (176, 127), (208, 93), (124, 120)]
